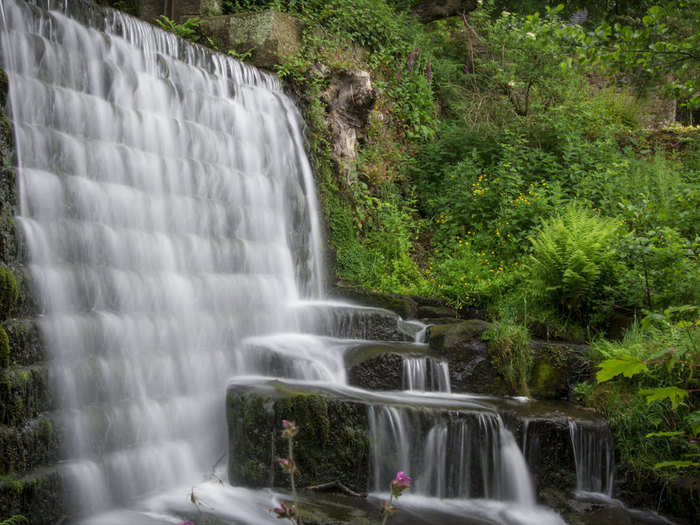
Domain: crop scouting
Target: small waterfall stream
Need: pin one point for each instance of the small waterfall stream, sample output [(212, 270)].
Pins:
[(595, 457)]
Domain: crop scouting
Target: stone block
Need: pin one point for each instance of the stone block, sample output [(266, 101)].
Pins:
[(271, 37), (332, 444), (37, 496)]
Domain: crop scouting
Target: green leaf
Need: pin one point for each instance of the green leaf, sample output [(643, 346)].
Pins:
[(675, 394), (676, 464), (694, 422), (626, 365), (664, 434)]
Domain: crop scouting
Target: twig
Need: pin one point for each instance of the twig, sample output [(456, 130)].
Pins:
[(337, 484)]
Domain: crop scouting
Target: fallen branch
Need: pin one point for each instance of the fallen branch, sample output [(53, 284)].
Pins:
[(323, 487)]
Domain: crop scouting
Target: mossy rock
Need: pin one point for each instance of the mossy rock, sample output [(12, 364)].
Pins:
[(471, 369), (24, 394), (25, 342), (9, 291), (332, 443), (4, 349), (24, 448), (269, 37), (547, 381), (448, 338), (557, 367), (38, 496)]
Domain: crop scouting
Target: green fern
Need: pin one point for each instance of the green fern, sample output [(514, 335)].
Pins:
[(573, 260), (17, 519)]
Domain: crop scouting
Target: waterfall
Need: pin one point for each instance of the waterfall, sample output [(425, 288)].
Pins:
[(169, 211), (594, 454), (425, 374), (450, 455)]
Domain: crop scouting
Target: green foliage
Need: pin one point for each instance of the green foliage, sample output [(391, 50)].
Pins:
[(658, 361), (413, 97), (661, 47), (527, 58), (371, 24), (572, 268), (189, 30), (4, 349), (9, 291), (509, 349), (17, 519), (624, 365)]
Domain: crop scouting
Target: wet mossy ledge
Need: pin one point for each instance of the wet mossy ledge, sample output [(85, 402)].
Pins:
[(333, 442)]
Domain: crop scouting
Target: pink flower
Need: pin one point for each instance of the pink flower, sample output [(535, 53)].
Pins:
[(290, 429), (430, 72), (284, 511), (398, 77), (400, 483)]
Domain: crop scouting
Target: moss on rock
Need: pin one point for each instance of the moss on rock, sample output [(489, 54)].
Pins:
[(332, 443), (4, 349), (27, 447), (24, 394), (9, 292), (38, 496)]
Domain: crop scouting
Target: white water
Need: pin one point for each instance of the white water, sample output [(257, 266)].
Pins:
[(594, 455), (169, 211), (425, 374), (455, 455)]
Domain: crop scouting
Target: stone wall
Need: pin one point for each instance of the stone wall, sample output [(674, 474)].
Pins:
[(29, 440)]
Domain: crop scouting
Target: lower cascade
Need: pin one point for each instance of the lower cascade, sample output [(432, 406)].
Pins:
[(172, 225)]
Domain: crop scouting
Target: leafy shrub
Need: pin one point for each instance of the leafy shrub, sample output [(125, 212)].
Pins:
[(572, 267), (9, 292), (648, 389)]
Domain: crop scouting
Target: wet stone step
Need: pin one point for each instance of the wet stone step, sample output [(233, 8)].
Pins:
[(25, 448), (350, 321), (37, 495), (25, 343), (383, 366), (24, 394)]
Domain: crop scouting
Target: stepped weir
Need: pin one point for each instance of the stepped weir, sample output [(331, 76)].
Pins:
[(169, 210)]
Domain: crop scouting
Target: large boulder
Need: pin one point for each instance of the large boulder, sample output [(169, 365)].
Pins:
[(271, 37)]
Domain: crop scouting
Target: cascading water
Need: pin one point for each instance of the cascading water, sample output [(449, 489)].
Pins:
[(425, 374), (594, 454), (451, 455), (169, 211)]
